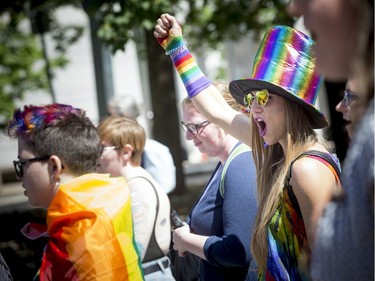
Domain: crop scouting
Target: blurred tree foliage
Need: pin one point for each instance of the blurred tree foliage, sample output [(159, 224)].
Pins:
[(219, 20), (205, 23), (22, 60), (19, 52), (121, 21)]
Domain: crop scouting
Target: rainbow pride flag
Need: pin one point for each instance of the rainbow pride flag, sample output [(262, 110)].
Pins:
[(90, 226)]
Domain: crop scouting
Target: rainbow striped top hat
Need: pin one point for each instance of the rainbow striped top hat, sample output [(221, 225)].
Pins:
[(285, 65)]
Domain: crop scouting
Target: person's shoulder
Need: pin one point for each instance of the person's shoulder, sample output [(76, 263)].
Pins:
[(241, 162), (243, 156), (141, 175), (308, 171), (145, 184), (306, 165)]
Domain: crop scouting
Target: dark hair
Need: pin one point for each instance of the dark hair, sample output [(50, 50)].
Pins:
[(60, 130)]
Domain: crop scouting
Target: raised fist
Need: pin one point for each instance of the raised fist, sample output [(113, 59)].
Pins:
[(166, 26)]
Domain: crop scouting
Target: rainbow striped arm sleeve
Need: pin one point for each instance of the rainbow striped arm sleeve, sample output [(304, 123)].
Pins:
[(191, 75), (171, 43)]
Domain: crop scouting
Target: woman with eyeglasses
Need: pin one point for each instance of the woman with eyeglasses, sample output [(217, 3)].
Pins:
[(348, 102), (220, 223), (88, 215), (296, 174), (123, 140)]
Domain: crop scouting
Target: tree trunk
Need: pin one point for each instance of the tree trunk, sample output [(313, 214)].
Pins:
[(164, 104)]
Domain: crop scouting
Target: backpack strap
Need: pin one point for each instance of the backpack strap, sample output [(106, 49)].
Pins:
[(241, 148), (325, 158)]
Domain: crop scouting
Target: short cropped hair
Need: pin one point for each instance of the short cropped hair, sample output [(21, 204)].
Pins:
[(61, 130), (120, 131)]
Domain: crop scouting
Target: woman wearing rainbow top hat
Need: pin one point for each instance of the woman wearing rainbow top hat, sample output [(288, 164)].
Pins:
[(296, 172)]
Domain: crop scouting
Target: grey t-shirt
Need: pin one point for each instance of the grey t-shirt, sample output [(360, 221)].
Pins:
[(344, 247)]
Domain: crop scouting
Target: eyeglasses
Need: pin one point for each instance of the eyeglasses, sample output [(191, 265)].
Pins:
[(261, 98), (19, 163), (349, 97), (194, 128), (108, 148)]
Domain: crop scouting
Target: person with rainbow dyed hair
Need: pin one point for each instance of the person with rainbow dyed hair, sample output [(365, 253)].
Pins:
[(296, 173), (89, 221)]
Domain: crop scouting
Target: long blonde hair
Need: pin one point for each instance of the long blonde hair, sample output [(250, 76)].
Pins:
[(272, 167)]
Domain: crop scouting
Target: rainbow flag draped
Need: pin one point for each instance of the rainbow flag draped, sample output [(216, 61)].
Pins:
[(91, 232)]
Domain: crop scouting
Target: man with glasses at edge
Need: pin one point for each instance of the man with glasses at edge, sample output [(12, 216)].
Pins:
[(347, 103)]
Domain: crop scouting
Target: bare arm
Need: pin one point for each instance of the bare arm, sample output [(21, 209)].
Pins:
[(313, 184), (185, 241), (209, 101)]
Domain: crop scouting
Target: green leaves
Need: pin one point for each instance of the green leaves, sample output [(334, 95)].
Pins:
[(206, 24), (220, 20), (119, 20), (23, 66)]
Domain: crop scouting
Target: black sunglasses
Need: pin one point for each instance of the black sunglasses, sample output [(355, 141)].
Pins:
[(18, 164)]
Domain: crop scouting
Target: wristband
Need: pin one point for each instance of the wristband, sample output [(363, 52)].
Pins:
[(171, 43), (191, 75)]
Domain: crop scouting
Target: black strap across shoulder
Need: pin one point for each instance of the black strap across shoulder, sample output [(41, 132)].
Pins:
[(153, 250), (326, 156)]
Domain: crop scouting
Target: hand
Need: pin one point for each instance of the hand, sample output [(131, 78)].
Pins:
[(166, 26), (178, 242)]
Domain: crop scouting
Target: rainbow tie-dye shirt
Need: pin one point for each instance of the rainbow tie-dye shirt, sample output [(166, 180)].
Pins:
[(287, 242), (288, 249)]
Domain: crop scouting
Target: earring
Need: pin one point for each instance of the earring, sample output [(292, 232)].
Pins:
[(56, 180), (54, 187)]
